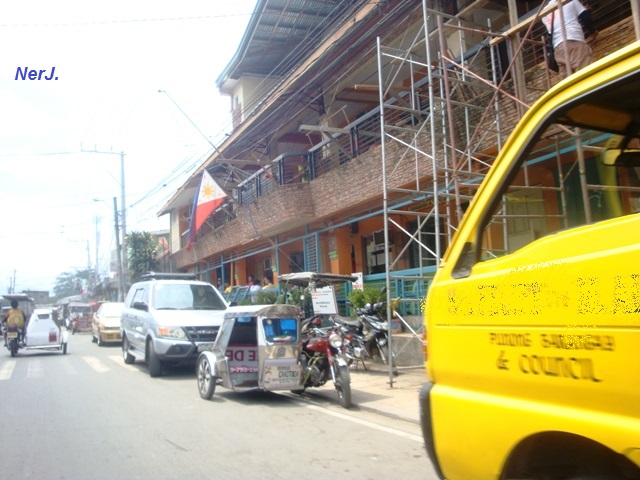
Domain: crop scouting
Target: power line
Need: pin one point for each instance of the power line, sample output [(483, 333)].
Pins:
[(123, 21), (37, 154)]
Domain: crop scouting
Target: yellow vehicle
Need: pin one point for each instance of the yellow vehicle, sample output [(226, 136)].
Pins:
[(533, 318)]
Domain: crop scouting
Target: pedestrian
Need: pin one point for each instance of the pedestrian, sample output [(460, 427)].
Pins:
[(249, 280), (570, 47), (15, 317), (255, 288), (267, 281)]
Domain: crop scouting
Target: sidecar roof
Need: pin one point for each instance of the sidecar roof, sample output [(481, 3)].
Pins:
[(303, 279), (278, 310)]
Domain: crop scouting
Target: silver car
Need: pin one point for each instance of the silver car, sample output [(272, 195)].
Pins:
[(168, 319)]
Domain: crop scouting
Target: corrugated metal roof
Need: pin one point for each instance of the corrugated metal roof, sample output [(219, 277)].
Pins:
[(279, 28)]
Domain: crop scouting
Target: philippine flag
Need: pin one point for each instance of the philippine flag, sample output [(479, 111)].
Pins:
[(209, 197)]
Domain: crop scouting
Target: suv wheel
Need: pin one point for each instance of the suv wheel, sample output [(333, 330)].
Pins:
[(128, 358), (155, 366)]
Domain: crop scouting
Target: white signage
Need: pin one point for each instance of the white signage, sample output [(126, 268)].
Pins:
[(324, 301)]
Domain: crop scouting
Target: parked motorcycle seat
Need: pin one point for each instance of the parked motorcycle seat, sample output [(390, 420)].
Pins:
[(346, 321)]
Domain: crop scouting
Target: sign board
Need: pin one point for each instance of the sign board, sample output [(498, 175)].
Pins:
[(324, 301), (282, 376), (359, 283)]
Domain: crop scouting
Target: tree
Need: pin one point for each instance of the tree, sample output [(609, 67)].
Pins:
[(71, 283), (142, 254)]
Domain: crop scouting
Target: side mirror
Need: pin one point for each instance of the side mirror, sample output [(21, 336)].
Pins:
[(617, 157), (141, 306)]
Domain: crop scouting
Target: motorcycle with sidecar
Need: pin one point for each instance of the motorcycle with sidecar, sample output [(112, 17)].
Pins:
[(43, 331), (258, 347)]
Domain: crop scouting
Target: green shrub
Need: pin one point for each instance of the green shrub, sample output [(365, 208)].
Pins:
[(266, 297), (359, 298), (298, 297)]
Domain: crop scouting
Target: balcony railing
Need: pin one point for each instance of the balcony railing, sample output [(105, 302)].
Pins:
[(301, 167)]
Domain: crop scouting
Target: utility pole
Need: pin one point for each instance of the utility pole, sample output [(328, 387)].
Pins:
[(89, 276), (97, 273), (118, 253), (123, 212)]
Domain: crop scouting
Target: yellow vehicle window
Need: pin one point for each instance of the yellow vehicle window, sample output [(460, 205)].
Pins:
[(564, 182)]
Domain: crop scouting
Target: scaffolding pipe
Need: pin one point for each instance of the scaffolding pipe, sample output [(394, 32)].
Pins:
[(452, 136), (385, 206), (583, 178)]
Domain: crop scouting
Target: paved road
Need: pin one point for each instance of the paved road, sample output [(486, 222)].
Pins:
[(88, 415)]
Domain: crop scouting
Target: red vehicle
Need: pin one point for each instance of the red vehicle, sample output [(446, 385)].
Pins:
[(80, 316)]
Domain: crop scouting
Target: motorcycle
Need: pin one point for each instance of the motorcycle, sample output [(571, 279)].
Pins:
[(322, 359), (376, 330), (15, 339), (356, 342)]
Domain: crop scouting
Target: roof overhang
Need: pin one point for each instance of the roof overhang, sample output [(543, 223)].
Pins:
[(275, 30)]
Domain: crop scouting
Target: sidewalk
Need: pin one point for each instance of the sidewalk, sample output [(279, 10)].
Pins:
[(370, 391)]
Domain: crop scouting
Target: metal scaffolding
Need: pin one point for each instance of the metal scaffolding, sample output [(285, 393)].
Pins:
[(435, 125), (447, 103), (444, 124)]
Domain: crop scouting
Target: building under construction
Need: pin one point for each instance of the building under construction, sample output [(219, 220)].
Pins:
[(362, 129)]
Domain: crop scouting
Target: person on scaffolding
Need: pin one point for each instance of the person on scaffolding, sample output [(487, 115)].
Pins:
[(572, 53)]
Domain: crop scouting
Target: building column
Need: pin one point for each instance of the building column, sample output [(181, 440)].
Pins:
[(340, 250), (241, 272)]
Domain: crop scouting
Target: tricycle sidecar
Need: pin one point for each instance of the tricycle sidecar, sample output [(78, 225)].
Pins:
[(257, 347), (43, 332)]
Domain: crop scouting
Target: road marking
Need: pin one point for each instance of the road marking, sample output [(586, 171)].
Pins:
[(118, 359), (7, 369), (35, 369), (342, 416), (96, 364)]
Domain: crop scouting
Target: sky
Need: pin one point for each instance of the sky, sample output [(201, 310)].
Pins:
[(123, 72)]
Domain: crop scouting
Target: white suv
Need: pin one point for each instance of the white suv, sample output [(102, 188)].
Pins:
[(168, 319)]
